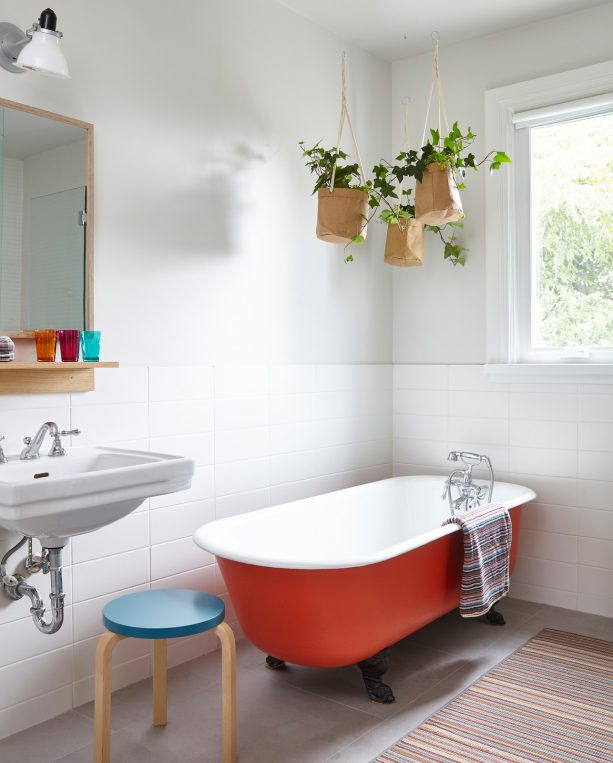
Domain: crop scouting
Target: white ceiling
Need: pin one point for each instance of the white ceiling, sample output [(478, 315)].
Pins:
[(394, 29)]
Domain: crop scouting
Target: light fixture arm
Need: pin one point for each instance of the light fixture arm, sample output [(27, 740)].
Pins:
[(12, 40)]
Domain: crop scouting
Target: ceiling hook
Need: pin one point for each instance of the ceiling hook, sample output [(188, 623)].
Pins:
[(406, 100), (343, 54), (435, 36)]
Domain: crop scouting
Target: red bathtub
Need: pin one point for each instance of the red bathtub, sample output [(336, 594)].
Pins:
[(331, 580)]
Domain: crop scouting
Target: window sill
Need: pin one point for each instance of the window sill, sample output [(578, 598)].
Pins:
[(550, 373)]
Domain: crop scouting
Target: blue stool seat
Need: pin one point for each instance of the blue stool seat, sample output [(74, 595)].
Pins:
[(163, 613)]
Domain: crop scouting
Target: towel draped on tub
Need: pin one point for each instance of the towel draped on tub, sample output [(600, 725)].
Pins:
[(487, 546)]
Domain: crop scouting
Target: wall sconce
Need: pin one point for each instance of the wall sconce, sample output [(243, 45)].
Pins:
[(38, 49)]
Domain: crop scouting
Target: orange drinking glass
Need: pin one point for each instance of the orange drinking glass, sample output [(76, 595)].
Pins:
[(46, 340)]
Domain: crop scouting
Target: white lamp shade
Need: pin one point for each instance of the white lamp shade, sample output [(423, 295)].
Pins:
[(44, 55)]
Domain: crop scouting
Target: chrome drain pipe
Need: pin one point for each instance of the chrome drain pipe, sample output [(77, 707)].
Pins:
[(15, 587)]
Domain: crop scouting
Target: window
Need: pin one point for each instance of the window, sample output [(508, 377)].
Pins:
[(564, 232), (549, 223)]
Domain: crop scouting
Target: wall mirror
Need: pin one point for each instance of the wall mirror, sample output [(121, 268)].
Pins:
[(46, 221)]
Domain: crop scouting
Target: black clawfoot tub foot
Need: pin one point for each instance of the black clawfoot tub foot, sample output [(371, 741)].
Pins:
[(274, 663), (372, 670), (493, 617)]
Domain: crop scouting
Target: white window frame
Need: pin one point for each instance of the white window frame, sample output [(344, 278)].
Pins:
[(508, 296)]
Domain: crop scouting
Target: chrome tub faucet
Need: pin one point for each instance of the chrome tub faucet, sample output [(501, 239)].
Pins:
[(468, 495)]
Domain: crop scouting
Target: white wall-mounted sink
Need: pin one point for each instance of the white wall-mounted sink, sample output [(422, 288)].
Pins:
[(54, 498)]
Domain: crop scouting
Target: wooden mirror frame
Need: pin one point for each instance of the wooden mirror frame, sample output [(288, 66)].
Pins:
[(89, 231)]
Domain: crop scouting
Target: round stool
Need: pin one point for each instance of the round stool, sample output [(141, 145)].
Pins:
[(160, 615)]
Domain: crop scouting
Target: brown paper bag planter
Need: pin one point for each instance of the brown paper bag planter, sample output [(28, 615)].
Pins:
[(341, 214), (404, 245), (437, 198)]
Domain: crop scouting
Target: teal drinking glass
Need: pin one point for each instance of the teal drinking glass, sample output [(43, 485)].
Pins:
[(90, 346)]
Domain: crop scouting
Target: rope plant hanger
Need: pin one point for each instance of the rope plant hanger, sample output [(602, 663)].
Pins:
[(439, 168), (345, 115), (437, 196), (404, 244), (341, 186)]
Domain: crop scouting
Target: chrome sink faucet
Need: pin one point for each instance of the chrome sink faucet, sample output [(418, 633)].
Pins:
[(33, 444), (468, 494)]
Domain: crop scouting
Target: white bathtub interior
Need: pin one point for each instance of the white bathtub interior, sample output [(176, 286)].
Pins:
[(347, 528)]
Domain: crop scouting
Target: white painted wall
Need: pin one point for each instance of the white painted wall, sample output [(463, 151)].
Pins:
[(204, 223), (439, 310)]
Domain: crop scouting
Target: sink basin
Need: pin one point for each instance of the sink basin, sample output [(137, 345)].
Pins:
[(54, 498)]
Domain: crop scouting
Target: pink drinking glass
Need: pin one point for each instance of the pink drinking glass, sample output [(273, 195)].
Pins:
[(69, 344)]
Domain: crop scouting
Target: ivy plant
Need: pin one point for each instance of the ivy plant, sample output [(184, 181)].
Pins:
[(398, 208), (452, 152), (322, 161), (452, 251)]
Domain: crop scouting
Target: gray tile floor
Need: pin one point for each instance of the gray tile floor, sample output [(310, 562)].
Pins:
[(301, 715)]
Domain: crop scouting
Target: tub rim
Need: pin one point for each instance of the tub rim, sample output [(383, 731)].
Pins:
[(205, 538)]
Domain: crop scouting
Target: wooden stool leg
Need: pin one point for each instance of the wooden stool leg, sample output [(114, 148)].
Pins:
[(160, 681), (228, 687), (102, 700)]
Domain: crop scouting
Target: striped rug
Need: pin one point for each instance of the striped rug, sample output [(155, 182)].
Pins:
[(549, 702)]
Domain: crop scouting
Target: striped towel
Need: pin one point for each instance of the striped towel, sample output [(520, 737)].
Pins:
[(487, 545)]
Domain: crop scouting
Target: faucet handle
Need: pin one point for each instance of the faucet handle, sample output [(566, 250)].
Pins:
[(3, 458), (57, 449)]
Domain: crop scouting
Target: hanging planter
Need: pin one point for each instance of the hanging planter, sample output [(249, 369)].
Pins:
[(437, 197), (343, 193), (341, 215), (440, 166), (404, 244)]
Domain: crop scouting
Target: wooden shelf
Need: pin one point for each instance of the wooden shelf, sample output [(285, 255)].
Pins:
[(18, 377)]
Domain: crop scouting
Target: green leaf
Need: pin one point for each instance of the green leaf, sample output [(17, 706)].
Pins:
[(349, 258), (359, 239), (501, 158)]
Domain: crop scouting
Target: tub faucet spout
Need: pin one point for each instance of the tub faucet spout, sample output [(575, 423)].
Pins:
[(468, 494)]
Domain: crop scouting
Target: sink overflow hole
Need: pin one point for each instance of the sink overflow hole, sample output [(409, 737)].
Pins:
[(40, 475)]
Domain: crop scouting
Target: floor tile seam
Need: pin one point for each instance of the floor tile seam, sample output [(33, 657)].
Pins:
[(72, 752), (78, 712), (353, 742), (76, 749), (330, 699)]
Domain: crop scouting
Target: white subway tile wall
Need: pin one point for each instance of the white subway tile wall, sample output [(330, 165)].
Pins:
[(259, 435), (556, 439)]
